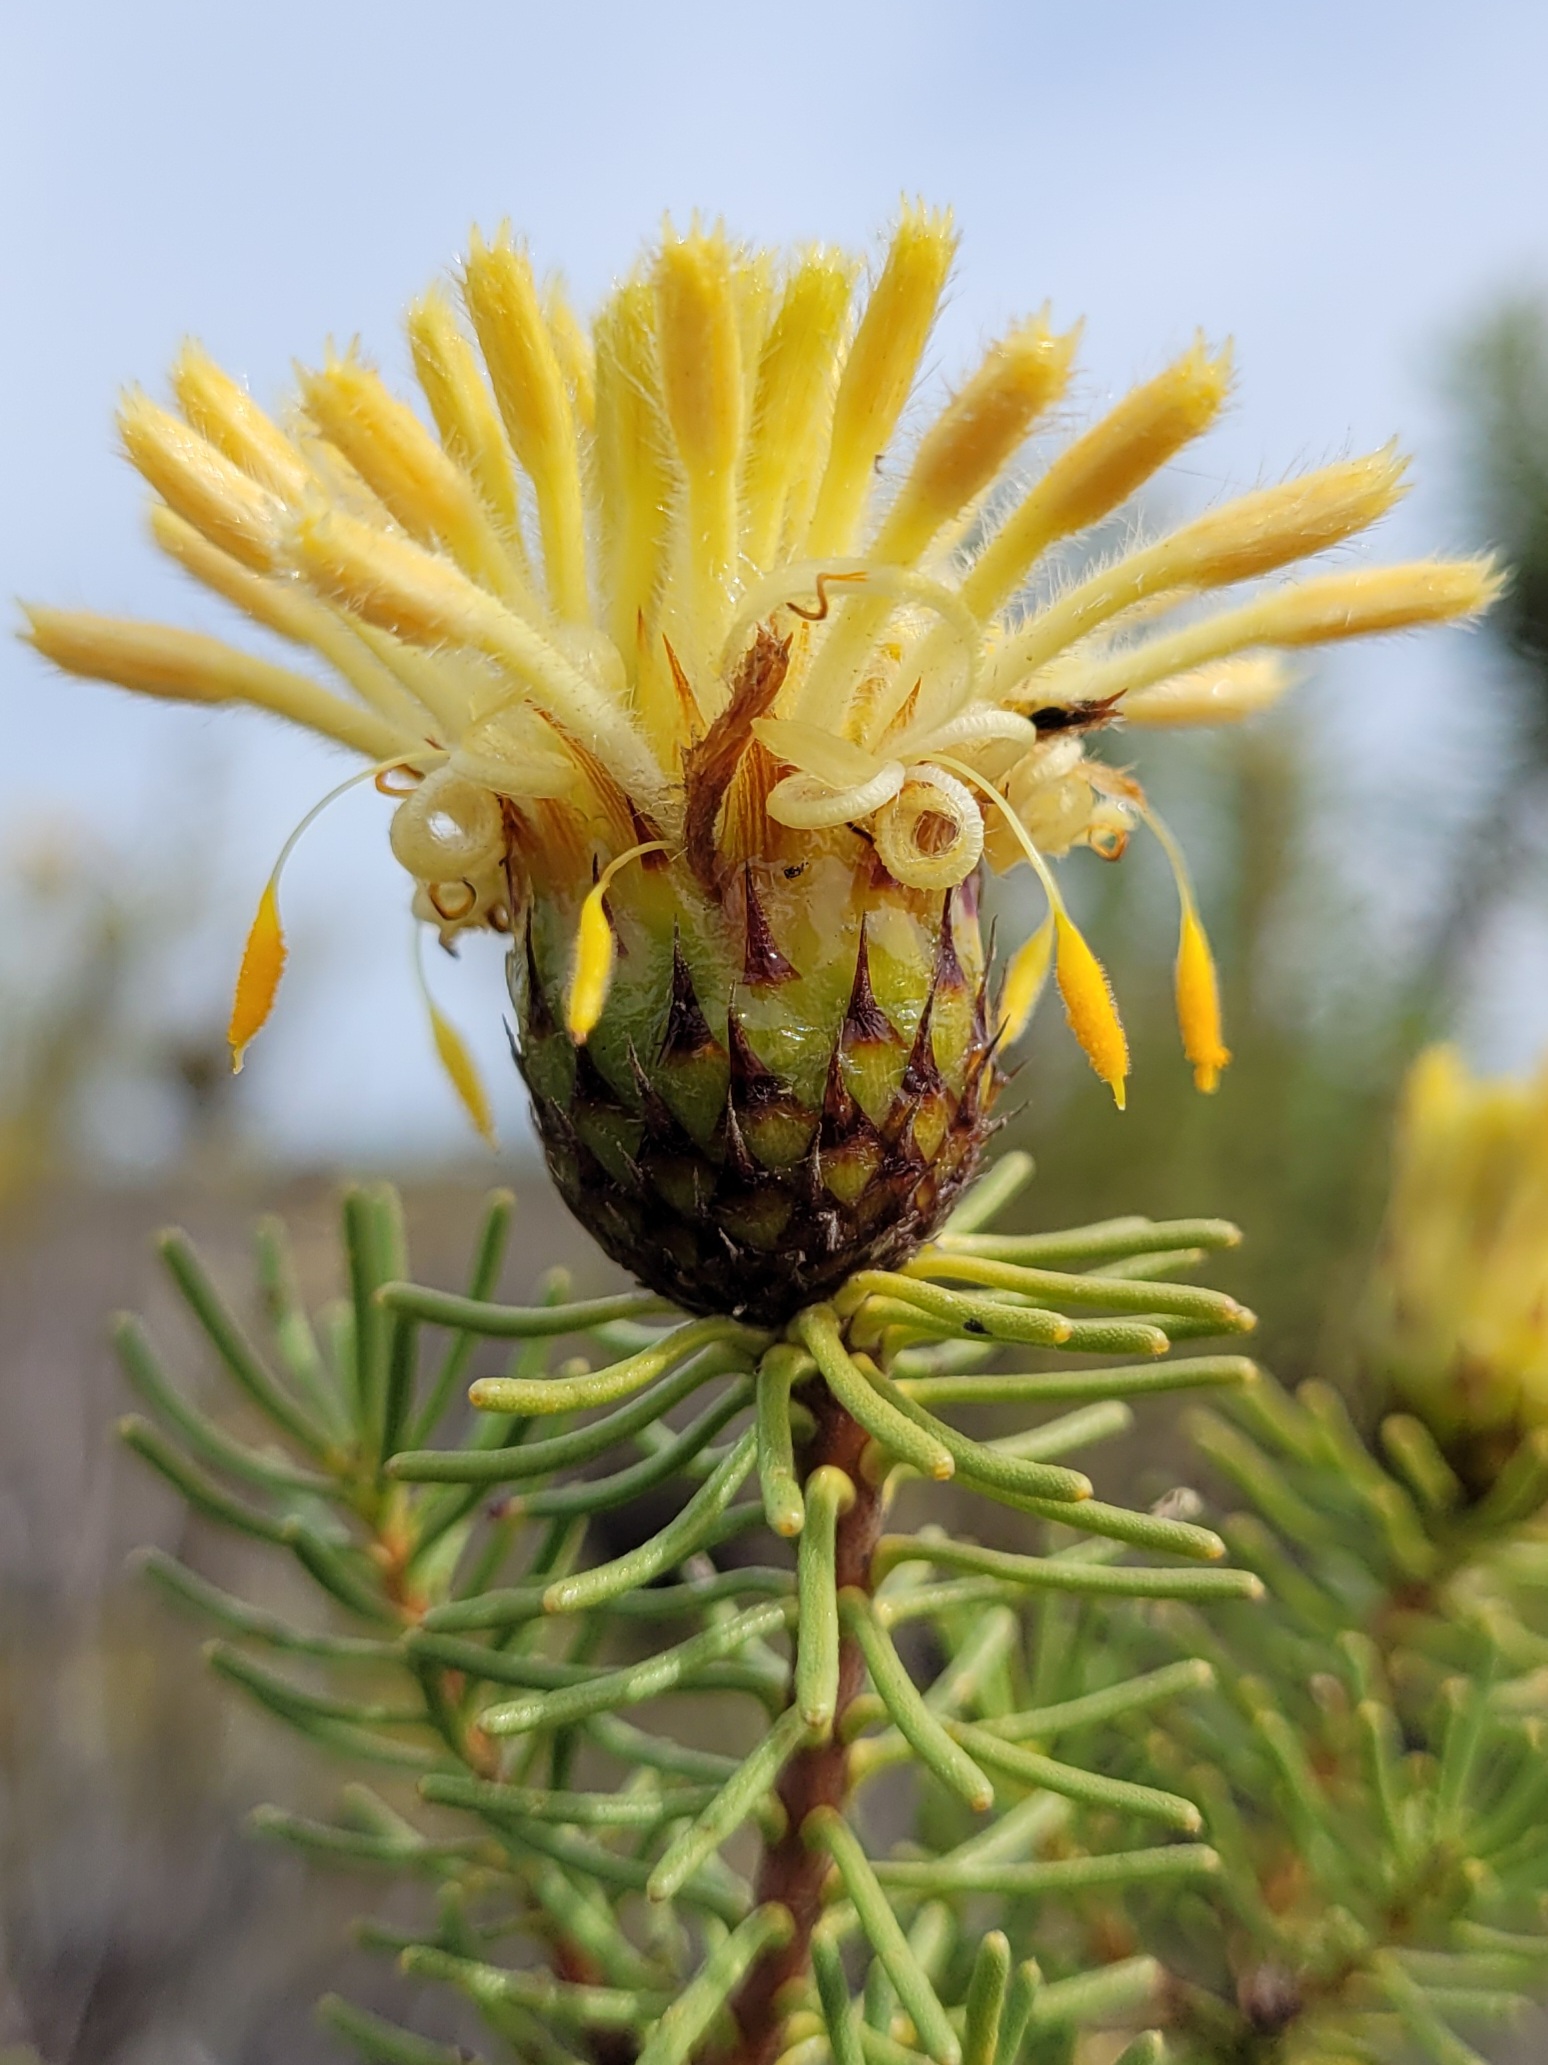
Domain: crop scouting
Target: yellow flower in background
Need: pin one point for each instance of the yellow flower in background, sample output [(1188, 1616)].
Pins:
[(693, 680), (1457, 1313)]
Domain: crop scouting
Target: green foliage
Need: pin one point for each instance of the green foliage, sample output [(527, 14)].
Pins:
[(581, 1726), (1369, 1757)]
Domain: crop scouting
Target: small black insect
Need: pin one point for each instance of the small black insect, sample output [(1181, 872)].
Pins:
[(1089, 716)]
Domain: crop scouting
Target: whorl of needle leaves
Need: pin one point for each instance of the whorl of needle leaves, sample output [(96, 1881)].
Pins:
[(580, 1739), (1369, 1756)]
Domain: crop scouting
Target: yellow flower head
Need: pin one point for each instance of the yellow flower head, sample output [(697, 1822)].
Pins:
[(1457, 1314), (676, 583)]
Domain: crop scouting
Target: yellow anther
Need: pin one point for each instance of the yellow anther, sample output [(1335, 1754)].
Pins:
[(1198, 1003), (1024, 981), (1195, 987), (258, 979), (263, 957), (596, 951), (1089, 1006), (1083, 984), (452, 1053), (465, 1078)]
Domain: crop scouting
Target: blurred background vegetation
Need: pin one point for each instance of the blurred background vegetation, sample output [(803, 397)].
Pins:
[(136, 1923)]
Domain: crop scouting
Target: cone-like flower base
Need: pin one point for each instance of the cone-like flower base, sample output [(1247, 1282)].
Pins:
[(770, 1101)]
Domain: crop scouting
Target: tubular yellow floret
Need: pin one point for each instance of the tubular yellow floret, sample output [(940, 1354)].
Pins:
[(1089, 1006), (791, 400), (220, 409), (1330, 607), (1222, 694), (465, 414), (573, 349), (701, 385), (201, 483), (879, 372), (1024, 981), (534, 402), (633, 483), (1198, 1003), (421, 596), (285, 607), (1259, 533), (976, 436), (388, 446), (1101, 470), (959, 455), (1255, 534), (187, 667)]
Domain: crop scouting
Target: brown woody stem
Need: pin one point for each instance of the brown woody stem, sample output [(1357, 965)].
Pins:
[(788, 1870)]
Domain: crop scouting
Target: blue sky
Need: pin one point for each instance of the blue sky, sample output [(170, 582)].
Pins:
[(1336, 187)]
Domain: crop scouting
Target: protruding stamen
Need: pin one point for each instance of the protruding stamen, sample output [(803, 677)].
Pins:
[(452, 1052), (1024, 981), (1198, 1003), (1195, 986), (1083, 983), (264, 955), (1089, 1006), (258, 978), (596, 950)]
